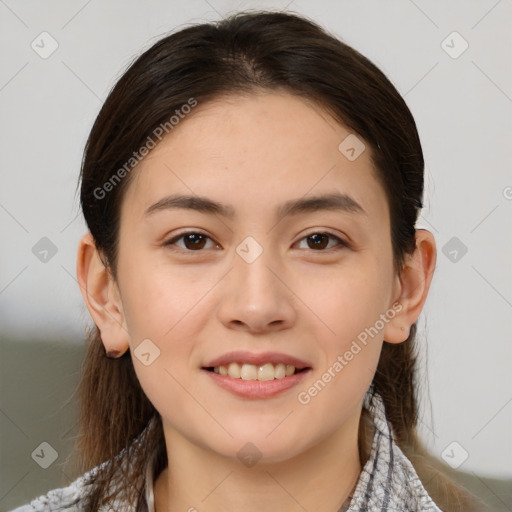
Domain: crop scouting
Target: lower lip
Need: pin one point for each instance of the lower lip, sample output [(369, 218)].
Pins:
[(257, 389)]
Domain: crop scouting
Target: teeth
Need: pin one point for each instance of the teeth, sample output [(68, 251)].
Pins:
[(252, 372), (234, 370), (280, 371), (266, 372)]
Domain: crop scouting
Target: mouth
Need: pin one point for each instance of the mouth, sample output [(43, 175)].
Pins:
[(264, 372), (256, 376)]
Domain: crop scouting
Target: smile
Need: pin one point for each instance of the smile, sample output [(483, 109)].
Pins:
[(256, 375), (244, 380), (247, 371)]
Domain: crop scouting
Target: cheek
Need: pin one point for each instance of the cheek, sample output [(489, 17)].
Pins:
[(347, 301), (348, 311), (160, 307), (166, 307), (157, 300)]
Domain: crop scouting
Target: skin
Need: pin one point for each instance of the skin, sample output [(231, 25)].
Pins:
[(255, 152)]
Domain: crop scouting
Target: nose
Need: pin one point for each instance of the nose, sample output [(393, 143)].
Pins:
[(256, 296)]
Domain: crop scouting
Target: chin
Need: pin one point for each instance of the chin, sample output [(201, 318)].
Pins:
[(259, 450)]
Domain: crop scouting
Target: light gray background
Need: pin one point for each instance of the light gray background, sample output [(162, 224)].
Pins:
[(463, 109)]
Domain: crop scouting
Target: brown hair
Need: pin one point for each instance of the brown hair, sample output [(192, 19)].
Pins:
[(239, 55)]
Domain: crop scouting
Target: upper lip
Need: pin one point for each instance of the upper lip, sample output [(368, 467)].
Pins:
[(257, 359)]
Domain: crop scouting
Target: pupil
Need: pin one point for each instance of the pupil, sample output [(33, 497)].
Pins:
[(198, 239), (315, 237)]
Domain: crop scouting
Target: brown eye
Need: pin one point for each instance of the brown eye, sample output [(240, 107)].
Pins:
[(192, 241), (319, 241)]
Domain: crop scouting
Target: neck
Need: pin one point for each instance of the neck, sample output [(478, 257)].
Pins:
[(321, 478)]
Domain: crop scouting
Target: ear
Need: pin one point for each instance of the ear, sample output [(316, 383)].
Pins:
[(102, 298), (411, 287)]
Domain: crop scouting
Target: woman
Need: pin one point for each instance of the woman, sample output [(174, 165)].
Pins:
[(252, 267)]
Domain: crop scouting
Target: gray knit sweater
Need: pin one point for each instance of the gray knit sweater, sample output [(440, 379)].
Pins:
[(387, 483)]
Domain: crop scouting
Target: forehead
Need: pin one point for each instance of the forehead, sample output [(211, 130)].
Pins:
[(257, 149)]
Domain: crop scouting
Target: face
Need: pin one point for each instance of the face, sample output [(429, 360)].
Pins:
[(299, 286)]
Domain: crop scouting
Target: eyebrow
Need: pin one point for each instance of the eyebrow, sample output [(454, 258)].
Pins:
[(332, 202)]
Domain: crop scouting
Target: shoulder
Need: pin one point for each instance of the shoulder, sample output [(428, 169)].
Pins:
[(68, 498), (64, 499), (73, 498)]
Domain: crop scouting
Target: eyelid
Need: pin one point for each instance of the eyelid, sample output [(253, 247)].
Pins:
[(177, 236), (342, 243), (321, 231)]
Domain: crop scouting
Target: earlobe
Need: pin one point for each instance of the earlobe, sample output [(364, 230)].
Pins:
[(413, 285), (101, 297)]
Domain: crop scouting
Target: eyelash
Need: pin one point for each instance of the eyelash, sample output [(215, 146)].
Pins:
[(341, 243)]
